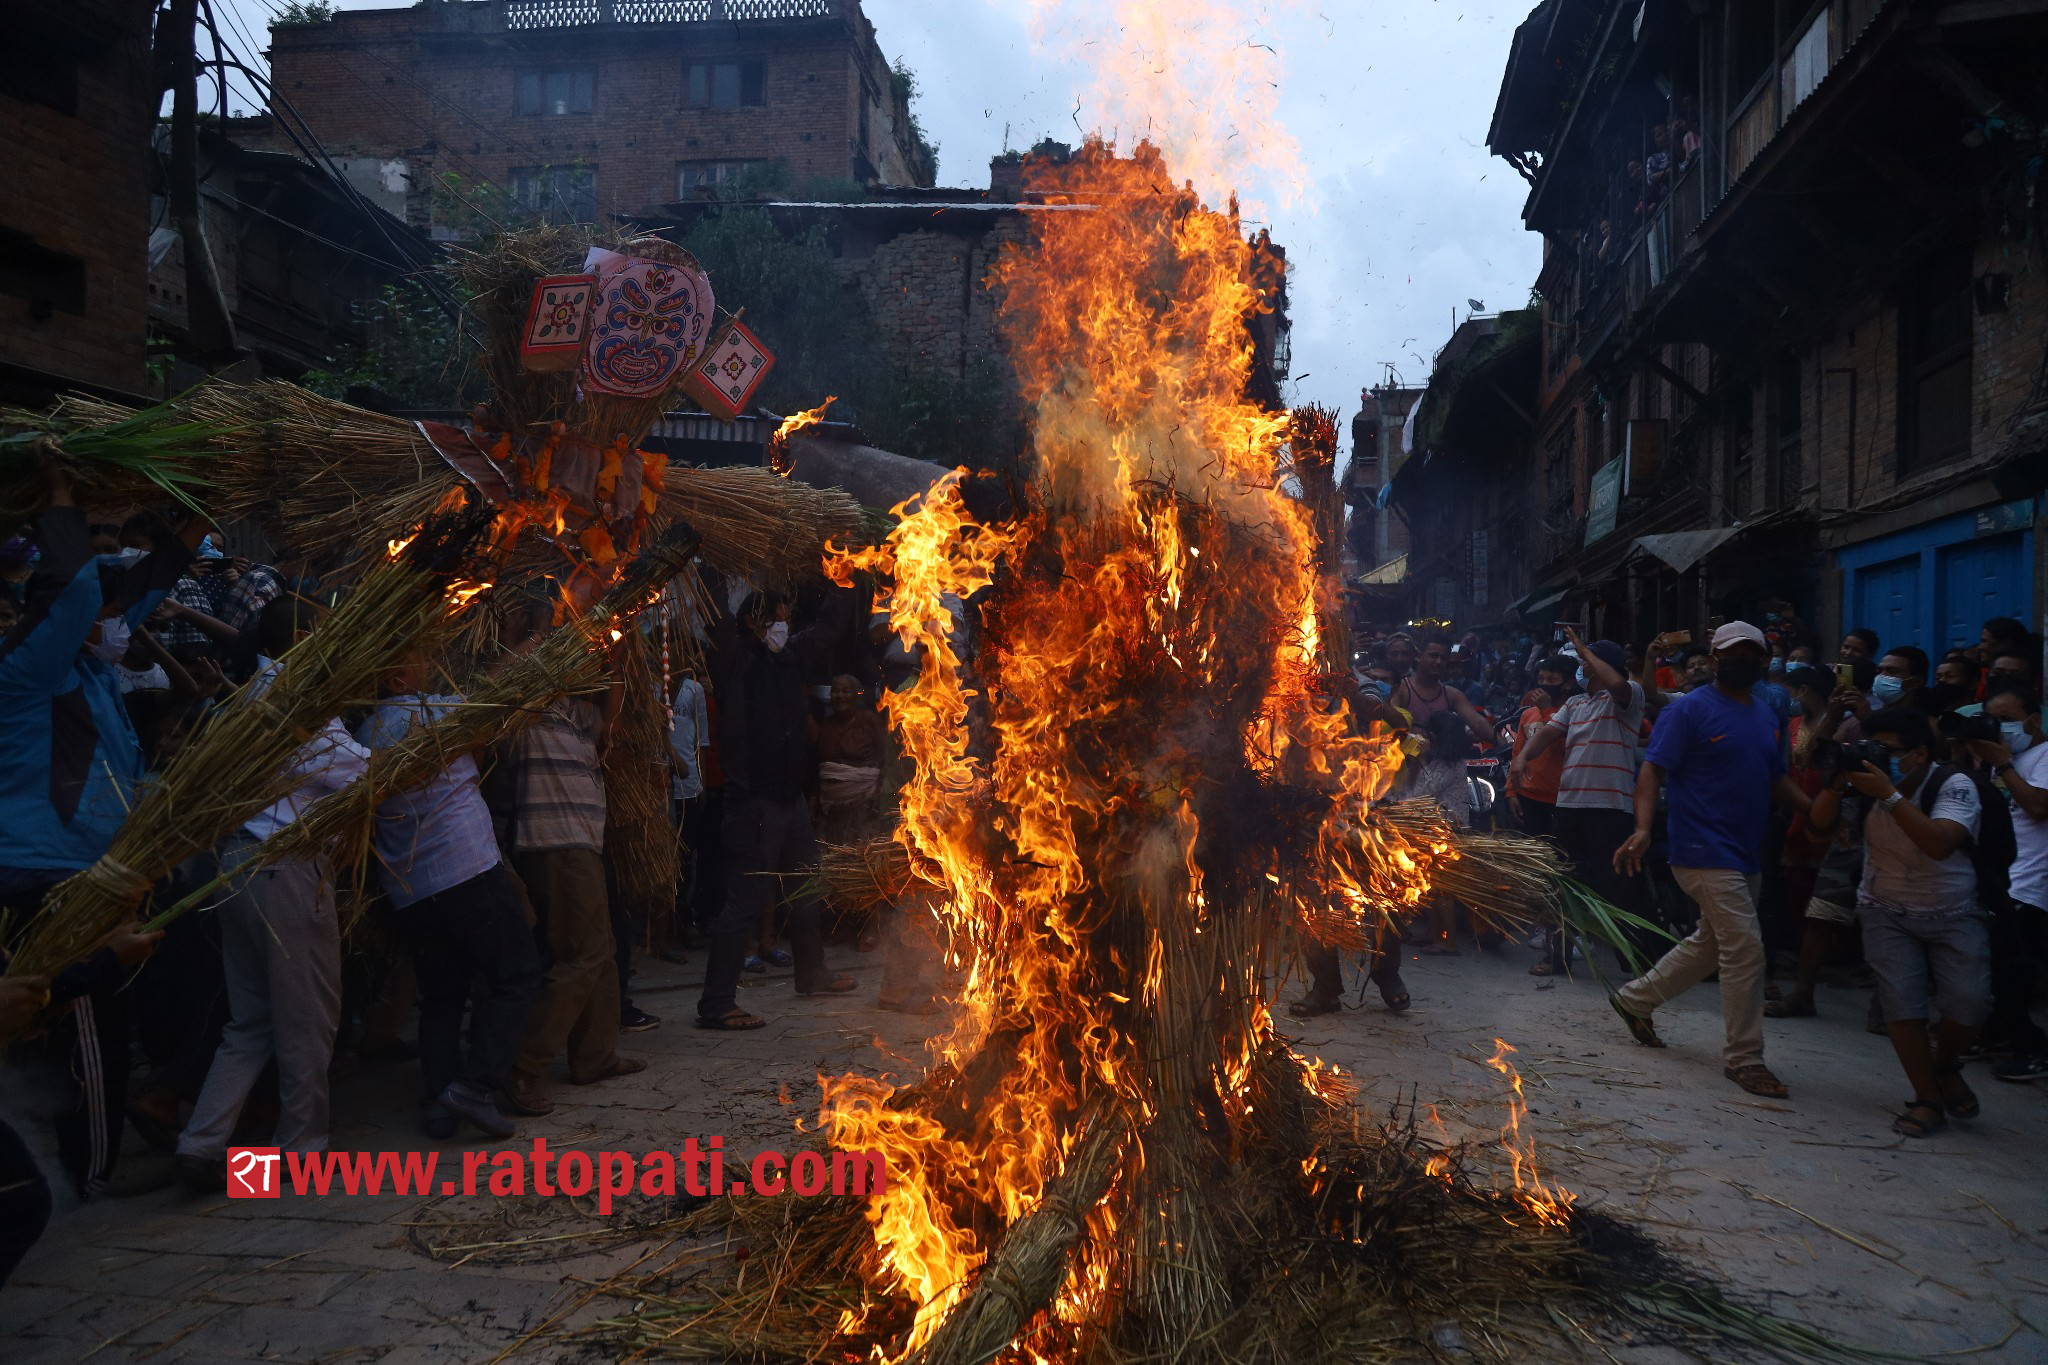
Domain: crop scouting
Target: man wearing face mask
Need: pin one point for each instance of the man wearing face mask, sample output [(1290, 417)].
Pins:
[(762, 672), (2019, 931), (1901, 674), (1719, 749), (1925, 932)]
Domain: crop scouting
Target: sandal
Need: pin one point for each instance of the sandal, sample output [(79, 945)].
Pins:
[(833, 985), (1393, 991), (1309, 1006), (1757, 1080), (1542, 969), (734, 1020), (1967, 1106), (1905, 1125), (1790, 1007), (1639, 1028)]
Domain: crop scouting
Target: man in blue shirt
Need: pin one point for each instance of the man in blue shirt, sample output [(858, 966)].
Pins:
[(1719, 749)]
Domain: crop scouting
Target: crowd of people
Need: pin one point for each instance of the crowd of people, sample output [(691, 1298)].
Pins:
[(1878, 820), (488, 906)]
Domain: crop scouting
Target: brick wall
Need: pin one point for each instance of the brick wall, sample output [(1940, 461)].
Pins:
[(2006, 354), (439, 86), (929, 292), (78, 186)]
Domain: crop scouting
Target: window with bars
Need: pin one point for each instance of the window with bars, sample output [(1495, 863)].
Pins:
[(1935, 334), (698, 179), (724, 85), (557, 92), (557, 193)]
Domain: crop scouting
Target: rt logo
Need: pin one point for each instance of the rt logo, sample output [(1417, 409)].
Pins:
[(253, 1173)]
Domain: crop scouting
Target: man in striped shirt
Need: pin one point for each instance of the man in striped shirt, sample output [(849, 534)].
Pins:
[(557, 850), (1600, 729)]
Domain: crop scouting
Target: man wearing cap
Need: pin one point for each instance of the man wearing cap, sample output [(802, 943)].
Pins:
[(1718, 749)]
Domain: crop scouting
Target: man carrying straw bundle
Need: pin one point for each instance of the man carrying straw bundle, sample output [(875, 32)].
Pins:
[(465, 916), (282, 949), (69, 768)]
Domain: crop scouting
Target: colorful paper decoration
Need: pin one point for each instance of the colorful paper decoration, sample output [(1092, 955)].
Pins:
[(648, 324), (557, 322), (733, 367)]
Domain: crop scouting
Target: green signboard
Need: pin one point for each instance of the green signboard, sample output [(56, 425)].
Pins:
[(1604, 501)]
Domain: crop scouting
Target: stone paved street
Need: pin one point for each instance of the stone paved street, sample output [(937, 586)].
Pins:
[(1811, 1207)]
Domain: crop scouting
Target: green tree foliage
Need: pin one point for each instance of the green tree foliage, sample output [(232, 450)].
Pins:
[(413, 355), (826, 341)]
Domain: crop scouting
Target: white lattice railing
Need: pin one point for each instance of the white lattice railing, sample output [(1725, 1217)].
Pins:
[(534, 14)]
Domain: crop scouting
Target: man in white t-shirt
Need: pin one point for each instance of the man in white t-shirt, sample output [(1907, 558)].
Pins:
[(1925, 934), (2019, 932)]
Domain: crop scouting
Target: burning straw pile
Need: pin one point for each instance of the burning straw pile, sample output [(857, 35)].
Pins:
[(1114, 1156)]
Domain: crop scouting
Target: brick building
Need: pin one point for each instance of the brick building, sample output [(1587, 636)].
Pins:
[(77, 100), (297, 257), (1793, 312), (586, 108)]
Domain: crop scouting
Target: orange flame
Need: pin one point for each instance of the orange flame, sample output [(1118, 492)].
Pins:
[(1156, 620), (778, 444), (1550, 1203)]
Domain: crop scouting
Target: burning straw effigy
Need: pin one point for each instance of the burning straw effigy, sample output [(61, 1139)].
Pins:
[(1125, 805)]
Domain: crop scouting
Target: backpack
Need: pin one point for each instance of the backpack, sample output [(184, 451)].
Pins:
[(1996, 846)]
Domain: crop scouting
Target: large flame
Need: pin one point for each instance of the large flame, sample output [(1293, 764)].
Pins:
[(1142, 772)]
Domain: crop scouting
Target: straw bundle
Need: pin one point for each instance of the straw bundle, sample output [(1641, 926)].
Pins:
[(115, 456), (236, 765), (1028, 1267), (759, 525), (499, 279), (862, 878), (571, 659), (639, 833)]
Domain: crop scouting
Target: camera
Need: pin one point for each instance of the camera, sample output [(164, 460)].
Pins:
[(1833, 758), (1963, 729)]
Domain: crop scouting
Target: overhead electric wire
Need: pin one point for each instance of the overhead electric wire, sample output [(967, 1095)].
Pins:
[(421, 257)]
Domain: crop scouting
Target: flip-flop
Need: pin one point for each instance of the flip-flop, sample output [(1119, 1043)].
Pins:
[(1639, 1028), (734, 1020), (1309, 1006)]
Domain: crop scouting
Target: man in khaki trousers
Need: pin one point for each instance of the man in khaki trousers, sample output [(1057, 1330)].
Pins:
[(1717, 748)]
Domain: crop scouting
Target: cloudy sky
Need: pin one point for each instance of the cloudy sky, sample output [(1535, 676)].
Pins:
[(1393, 215)]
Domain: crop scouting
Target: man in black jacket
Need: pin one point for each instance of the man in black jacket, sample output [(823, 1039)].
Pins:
[(762, 674)]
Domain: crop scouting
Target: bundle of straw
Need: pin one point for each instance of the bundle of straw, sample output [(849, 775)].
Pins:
[(639, 833), (759, 525), (862, 878), (312, 471), (505, 702), (115, 456), (236, 765)]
